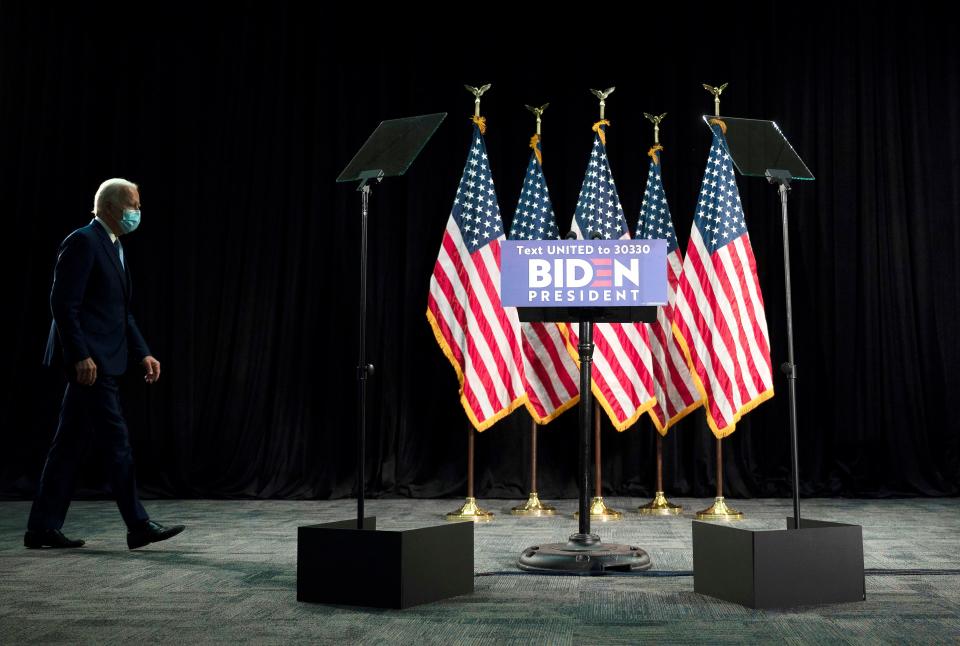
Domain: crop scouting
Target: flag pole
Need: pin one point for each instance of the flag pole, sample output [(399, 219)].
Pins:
[(469, 510), (719, 510), (659, 506), (598, 508), (533, 506), (584, 552)]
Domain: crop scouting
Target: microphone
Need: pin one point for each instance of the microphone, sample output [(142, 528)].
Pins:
[(596, 235), (571, 235)]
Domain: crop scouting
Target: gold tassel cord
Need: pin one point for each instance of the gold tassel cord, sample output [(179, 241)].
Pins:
[(597, 129), (652, 153), (534, 140), (480, 122), (719, 122)]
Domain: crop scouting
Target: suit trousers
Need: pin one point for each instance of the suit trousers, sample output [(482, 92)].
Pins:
[(87, 413)]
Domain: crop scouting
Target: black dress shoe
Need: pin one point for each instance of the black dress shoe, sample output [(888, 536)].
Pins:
[(151, 532), (37, 538)]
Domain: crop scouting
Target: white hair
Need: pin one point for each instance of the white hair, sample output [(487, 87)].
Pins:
[(110, 192)]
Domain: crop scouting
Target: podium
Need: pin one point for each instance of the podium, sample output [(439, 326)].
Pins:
[(351, 562), (811, 561), (583, 552)]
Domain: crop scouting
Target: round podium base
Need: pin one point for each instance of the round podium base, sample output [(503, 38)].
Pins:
[(583, 554)]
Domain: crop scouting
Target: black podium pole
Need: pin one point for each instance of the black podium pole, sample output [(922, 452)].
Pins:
[(585, 349)]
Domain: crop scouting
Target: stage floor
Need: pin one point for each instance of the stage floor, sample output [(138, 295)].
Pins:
[(231, 577)]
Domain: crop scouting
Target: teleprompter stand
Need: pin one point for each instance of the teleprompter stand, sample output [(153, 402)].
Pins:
[(811, 561), (351, 562), (584, 553)]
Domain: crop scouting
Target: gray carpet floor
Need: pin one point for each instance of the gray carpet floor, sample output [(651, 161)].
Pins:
[(231, 577)]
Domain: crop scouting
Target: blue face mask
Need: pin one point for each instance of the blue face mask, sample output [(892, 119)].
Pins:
[(130, 220)]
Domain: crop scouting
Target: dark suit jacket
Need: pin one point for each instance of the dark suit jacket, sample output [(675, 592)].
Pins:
[(90, 301)]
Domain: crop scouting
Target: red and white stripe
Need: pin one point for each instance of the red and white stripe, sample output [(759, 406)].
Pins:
[(674, 388), (720, 321), (480, 337), (551, 375), (622, 375), (622, 366)]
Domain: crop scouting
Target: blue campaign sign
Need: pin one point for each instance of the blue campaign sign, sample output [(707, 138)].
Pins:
[(584, 273)]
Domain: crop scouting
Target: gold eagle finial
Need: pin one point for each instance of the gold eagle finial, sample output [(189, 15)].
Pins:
[(602, 95), (715, 91), (477, 93)]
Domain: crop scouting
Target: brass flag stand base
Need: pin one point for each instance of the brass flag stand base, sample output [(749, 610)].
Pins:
[(470, 511), (533, 507), (600, 511), (719, 511), (659, 506)]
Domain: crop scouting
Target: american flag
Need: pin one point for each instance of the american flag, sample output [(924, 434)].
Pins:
[(551, 375), (622, 375), (479, 336), (719, 320), (673, 387)]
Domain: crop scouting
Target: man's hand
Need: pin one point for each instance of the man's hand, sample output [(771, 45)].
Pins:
[(152, 367), (86, 372)]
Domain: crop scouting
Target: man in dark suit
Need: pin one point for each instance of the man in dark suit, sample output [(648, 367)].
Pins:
[(93, 335)]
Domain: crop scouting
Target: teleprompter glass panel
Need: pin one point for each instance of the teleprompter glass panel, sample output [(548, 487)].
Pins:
[(756, 145), (393, 146)]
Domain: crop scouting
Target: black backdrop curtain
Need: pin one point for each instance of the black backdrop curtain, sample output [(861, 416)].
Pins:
[(236, 121)]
